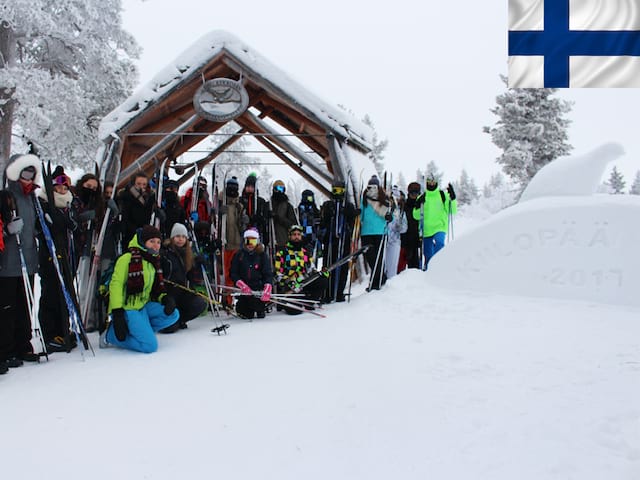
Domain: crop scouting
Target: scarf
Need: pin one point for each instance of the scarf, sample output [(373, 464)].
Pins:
[(135, 280)]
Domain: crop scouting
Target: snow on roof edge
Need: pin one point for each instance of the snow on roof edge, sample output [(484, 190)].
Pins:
[(199, 54)]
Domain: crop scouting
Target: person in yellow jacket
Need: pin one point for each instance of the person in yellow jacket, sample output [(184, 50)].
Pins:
[(138, 303), (432, 211)]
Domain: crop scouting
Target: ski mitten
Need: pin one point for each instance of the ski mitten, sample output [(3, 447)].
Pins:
[(266, 293), (120, 327), (244, 288)]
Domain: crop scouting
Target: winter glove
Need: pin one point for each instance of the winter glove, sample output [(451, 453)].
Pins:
[(388, 216), (199, 260), (169, 304), (15, 226), (223, 209), (113, 206), (451, 192), (420, 200), (244, 288), (266, 293), (160, 215), (87, 216), (194, 216), (120, 327)]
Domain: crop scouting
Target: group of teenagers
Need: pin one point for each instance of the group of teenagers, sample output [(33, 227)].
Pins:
[(157, 254)]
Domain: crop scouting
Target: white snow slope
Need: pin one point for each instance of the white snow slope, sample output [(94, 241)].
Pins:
[(422, 380)]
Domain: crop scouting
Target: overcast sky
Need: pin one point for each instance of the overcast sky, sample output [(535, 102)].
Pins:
[(427, 74)]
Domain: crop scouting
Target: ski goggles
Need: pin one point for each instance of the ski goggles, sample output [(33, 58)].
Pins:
[(337, 190), (414, 192), (62, 180), (296, 229), (251, 241), (279, 188), (28, 173)]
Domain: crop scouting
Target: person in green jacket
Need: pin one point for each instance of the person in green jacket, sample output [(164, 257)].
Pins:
[(138, 303), (432, 211)]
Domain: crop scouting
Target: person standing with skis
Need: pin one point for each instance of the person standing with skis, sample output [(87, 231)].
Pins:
[(256, 208), (251, 270), (337, 219), (283, 214), (396, 227), (19, 233), (309, 216), (136, 204), (233, 221), (53, 312), (432, 210), (138, 302), (375, 215), (410, 240)]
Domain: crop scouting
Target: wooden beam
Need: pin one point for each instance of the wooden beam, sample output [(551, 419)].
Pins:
[(255, 124)]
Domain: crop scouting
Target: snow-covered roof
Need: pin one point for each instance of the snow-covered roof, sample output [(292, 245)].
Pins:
[(254, 66)]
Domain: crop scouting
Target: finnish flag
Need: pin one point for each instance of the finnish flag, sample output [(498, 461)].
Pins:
[(574, 43)]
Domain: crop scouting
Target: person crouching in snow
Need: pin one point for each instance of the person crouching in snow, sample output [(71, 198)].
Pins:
[(293, 264), (138, 303), (181, 269), (251, 270)]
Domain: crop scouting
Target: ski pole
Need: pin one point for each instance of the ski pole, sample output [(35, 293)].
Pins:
[(29, 293)]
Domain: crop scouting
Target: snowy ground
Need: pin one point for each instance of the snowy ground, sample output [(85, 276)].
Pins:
[(412, 382)]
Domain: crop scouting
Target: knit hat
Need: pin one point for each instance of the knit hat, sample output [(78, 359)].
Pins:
[(178, 229), (171, 184), (232, 181), (374, 180), (251, 179), (306, 196), (148, 232), (17, 163), (251, 233), (414, 187)]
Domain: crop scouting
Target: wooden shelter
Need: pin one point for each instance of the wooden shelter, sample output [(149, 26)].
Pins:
[(160, 122)]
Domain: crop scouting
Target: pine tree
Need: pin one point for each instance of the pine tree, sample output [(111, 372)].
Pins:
[(379, 146), (616, 182), (466, 190), (531, 131), (65, 64), (635, 186)]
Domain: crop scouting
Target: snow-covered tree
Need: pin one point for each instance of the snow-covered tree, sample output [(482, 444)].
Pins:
[(496, 182), (379, 146), (531, 130), (635, 186), (64, 65), (616, 182), (466, 189)]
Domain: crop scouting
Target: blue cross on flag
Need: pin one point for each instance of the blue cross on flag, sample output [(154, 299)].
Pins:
[(574, 43)]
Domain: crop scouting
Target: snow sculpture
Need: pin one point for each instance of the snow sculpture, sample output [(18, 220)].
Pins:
[(559, 241)]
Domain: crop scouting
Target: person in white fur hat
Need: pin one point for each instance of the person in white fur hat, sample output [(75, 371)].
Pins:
[(21, 175)]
